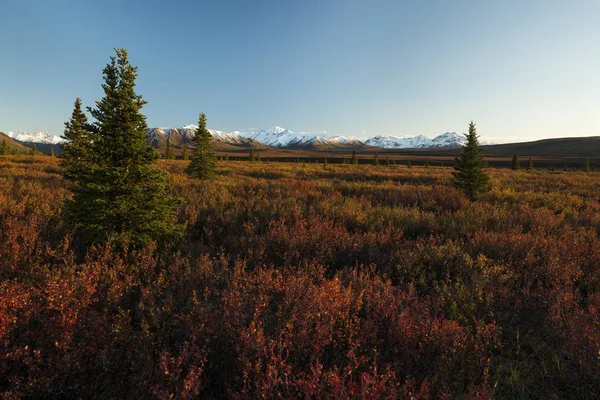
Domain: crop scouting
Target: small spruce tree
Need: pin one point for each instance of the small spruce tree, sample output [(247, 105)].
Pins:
[(252, 157), (4, 148), (529, 164), (204, 161), (169, 154), (409, 164), (184, 153), (469, 172), (376, 159), (588, 167), (515, 165), (76, 161), (354, 159)]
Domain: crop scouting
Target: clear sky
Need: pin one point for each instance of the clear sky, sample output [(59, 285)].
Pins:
[(522, 69)]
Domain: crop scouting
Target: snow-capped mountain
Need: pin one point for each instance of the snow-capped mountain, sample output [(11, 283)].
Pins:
[(281, 137), (36, 137), (274, 137), (185, 134), (448, 139)]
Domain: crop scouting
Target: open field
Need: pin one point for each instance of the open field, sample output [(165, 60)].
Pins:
[(304, 280)]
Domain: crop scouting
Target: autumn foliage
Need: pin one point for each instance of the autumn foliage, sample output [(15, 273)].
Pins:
[(309, 281)]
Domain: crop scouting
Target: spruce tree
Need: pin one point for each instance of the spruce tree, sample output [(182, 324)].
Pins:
[(258, 156), (588, 167), (122, 196), (184, 154), (515, 165), (169, 154), (251, 157), (204, 161), (409, 164), (52, 152), (76, 158), (376, 159), (469, 172), (354, 159), (529, 164), (4, 148)]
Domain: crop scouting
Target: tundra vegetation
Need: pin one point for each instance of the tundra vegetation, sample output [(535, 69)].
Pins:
[(299, 280)]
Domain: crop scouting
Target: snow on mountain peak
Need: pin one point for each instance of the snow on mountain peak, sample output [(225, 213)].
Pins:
[(275, 136), (36, 137), (447, 139)]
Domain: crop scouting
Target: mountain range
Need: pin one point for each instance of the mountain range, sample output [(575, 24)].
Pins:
[(276, 137)]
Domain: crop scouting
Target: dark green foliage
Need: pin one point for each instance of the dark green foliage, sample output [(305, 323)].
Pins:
[(169, 154), (588, 167), (515, 165), (76, 158), (376, 159), (529, 164), (226, 157), (34, 151), (565, 168), (252, 156), (184, 153), (409, 164), (426, 164), (354, 159), (258, 156), (551, 168), (469, 172), (118, 194), (204, 161), (4, 148)]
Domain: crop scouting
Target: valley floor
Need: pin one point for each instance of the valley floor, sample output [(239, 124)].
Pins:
[(304, 280)]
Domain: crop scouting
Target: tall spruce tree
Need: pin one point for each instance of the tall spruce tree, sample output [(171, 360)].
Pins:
[(469, 172), (204, 161), (515, 165), (122, 197)]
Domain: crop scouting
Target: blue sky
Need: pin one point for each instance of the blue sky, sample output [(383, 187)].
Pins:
[(521, 69)]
